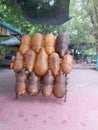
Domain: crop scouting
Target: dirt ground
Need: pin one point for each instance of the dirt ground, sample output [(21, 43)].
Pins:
[(80, 112)]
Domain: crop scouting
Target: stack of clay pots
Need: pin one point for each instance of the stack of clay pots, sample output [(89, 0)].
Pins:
[(42, 65)]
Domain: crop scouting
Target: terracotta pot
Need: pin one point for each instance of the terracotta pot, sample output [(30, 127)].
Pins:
[(25, 44), (63, 37), (49, 43), (48, 78), (36, 42), (66, 65), (33, 84), (59, 88), (47, 90), (20, 86), (54, 63), (30, 58), (41, 65), (32, 89), (19, 63), (25, 40), (62, 42), (47, 84)]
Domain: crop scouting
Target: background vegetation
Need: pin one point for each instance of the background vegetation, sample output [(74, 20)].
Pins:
[(82, 28)]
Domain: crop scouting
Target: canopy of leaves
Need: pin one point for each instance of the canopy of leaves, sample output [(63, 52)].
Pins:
[(48, 12), (82, 28)]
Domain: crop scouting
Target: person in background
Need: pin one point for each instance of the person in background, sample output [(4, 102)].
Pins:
[(12, 62), (8, 56)]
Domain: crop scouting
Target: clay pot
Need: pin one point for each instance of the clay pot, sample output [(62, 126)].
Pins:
[(62, 42), (36, 42), (30, 58), (54, 63), (63, 37), (20, 86), (49, 43), (26, 40), (25, 44), (33, 84), (41, 65), (48, 78), (66, 65), (47, 90), (59, 88), (19, 63), (47, 84)]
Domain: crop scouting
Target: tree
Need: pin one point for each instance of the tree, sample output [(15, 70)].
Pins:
[(82, 28), (10, 13), (85, 19), (91, 8)]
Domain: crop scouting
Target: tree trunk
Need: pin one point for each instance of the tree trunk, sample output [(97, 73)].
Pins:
[(97, 54), (97, 48)]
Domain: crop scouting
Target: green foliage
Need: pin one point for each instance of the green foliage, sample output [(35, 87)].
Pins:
[(10, 13), (82, 28), (4, 50)]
